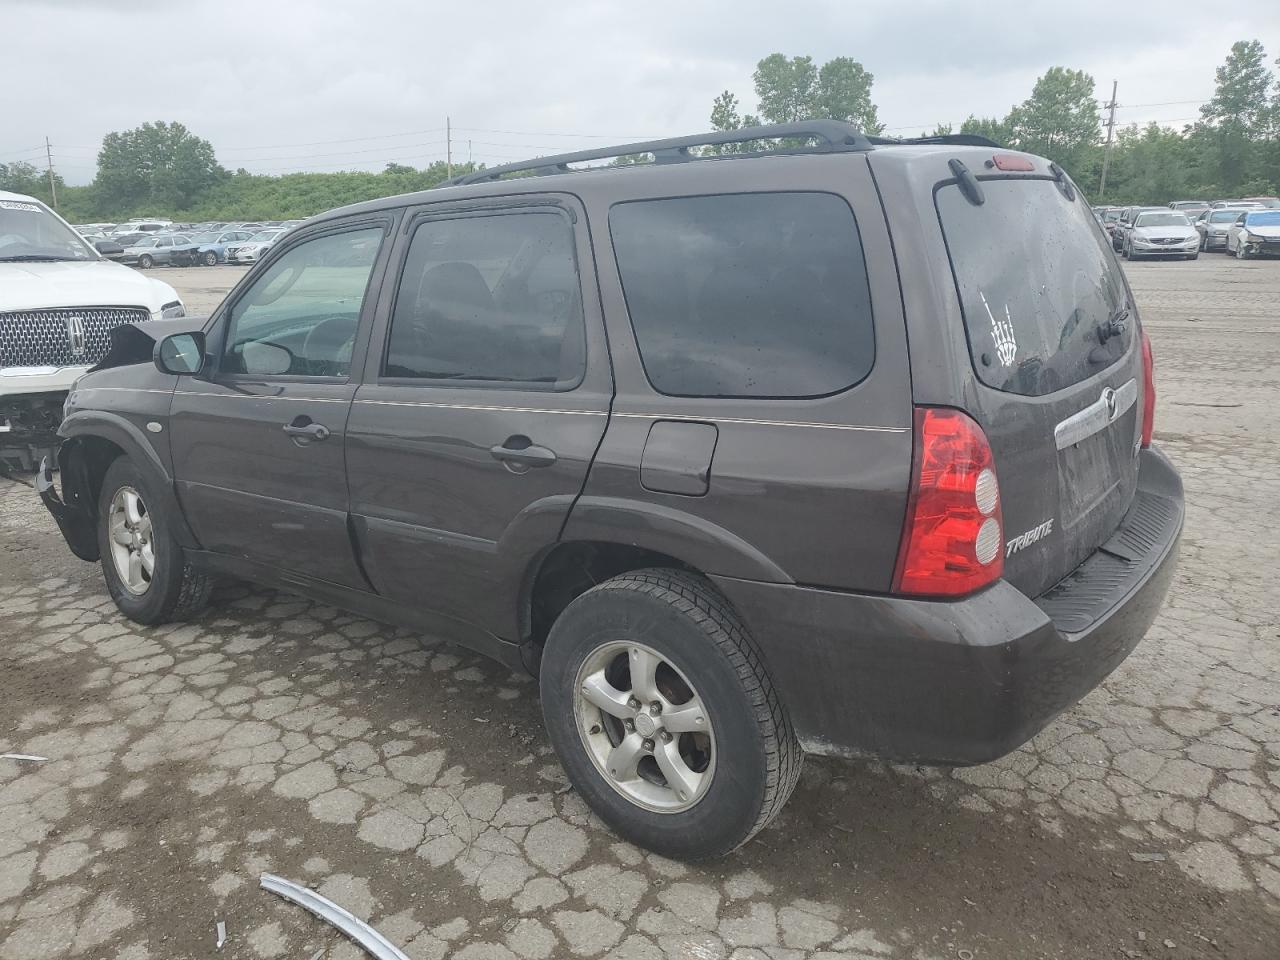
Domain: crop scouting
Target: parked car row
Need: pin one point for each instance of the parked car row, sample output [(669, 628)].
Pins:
[(1185, 228), (149, 243)]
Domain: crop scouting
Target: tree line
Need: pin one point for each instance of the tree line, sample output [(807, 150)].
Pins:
[(1232, 149)]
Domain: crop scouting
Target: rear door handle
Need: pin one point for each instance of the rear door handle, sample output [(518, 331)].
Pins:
[(307, 431), (521, 451)]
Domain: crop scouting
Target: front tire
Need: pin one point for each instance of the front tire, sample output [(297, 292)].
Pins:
[(145, 262), (692, 753), (209, 258), (146, 572)]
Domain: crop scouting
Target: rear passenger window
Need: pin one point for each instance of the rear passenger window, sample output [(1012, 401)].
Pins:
[(490, 298), (746, 295)]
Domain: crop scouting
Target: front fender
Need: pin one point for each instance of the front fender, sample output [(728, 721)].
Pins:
[(86, 452)]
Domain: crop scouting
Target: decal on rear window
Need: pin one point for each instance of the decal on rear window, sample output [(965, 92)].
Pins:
[(1002, 333), (18, 205)]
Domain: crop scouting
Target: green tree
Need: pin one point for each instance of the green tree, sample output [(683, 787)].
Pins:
[(788, 89), (22, 177), (990, 127), (1059, 120), (844, 93), (1240, 113), (160, 164), (796, 89), (725, 116)]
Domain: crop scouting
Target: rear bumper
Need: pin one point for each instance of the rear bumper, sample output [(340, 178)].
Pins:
[(966, 681)]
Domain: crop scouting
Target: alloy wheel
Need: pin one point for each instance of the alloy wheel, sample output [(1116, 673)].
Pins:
[(645, 727), (132, 545)]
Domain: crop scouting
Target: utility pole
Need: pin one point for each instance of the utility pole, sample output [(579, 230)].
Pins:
[(48, 156), (468, 154), (448, 146), (1106, 151)]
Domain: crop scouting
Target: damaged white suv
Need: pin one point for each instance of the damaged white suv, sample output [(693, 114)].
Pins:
[(59, 300)]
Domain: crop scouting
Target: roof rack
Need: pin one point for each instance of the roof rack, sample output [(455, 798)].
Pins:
[(833, 136)]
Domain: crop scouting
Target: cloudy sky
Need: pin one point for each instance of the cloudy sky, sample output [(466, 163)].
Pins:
[(285, 85)]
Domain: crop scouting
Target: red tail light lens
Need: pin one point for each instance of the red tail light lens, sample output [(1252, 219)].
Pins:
[(1148, 390), (953, 540)]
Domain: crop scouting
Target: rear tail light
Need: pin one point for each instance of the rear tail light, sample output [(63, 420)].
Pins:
[(953, 539), (1148, 390)]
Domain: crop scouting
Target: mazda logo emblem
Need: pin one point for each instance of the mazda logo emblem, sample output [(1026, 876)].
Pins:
[(76, 340)]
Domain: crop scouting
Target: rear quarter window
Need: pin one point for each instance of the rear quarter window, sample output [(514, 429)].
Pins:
[(746, 295), (1038, 285)]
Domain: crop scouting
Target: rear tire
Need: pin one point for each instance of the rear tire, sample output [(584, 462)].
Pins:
[(130, 506), (700, 654)]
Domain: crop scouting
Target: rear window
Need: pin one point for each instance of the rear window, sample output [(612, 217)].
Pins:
[(1038, 286), (746, 295)]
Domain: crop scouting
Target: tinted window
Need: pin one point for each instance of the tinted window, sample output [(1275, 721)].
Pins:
[(490, 298), (746, 295), (1036, 281), (299, 318)]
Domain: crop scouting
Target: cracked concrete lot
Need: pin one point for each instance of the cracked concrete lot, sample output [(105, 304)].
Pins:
[(411, 781)]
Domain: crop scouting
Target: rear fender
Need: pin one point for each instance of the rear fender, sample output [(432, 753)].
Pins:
[(697, 542)]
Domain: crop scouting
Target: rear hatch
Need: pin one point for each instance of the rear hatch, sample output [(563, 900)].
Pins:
[(1053, 338)]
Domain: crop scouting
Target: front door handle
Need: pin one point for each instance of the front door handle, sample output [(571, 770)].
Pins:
[(306, 430), (520, 451)]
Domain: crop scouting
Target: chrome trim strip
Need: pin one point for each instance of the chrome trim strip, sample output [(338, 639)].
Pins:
[(481, 407), (1110, 406), (124, 389), (364, 935), (770, 423), (259, 396)]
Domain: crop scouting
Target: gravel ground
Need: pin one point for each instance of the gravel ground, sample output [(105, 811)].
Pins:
[(412, 782)]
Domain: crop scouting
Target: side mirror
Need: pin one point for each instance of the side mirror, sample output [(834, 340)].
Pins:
[(266, 359), (181, 354)]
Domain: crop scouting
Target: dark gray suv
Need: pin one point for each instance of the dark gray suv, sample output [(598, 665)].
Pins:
[(838, 445)]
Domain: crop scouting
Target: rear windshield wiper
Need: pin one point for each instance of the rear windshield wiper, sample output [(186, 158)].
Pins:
[(1114, 325)]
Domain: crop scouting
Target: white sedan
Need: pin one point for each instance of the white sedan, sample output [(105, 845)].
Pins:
[(1254, 233), (255, 248)]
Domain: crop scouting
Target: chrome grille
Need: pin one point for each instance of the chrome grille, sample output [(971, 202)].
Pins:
[(54, 338)]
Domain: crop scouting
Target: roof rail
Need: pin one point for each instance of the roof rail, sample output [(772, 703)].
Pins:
[(834, 136)]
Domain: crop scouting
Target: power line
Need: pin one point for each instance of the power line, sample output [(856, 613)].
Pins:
[(341, 153), (581, 136), (325, 143)]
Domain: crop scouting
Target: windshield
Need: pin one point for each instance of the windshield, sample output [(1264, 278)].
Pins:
[(1112, 214), (1269, 219), (1222, 216), (206, 238), (1038, 285), (264, 236), (28, 231), (1162, 220)]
